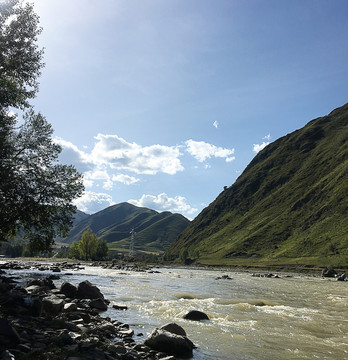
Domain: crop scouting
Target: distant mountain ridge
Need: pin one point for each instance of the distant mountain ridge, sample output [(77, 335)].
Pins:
[(154, 231), (291, 202)]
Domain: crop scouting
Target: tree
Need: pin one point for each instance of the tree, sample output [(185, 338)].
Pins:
[(88, 244), (20, 56), (102, 250), (74, 252), (36, 192)]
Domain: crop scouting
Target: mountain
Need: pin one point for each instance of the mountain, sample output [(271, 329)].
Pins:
[(154, 231), (79, 216), (290, 205)]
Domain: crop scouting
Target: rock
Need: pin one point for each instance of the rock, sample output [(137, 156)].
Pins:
[(329, 272), (33, 305), (119, 307), (6, 355), (8, 334), (98, 304), (86, 290), (174, 329), (68, 290), (45, 282), (196, 315), (35, 289), (169, 343), (341, 277), (223, 277), (52, 305), (125, 333), (69, 307)]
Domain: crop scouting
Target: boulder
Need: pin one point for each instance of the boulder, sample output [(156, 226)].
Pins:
[(98, 304), (329, 272), (196, 315), (52, 305), (68, 290), (174, 329), (169, 343), (86, 290)]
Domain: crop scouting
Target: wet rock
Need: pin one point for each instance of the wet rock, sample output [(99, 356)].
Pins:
[(174, 329), (86, 290), (98, 304), (329, 272), (196, 315), (223, 277), (341, 277), (126, 333), (169, 343), (68, 290), (119, 307)]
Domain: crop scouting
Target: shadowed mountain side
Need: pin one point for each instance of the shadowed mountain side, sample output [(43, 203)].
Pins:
[(290, 202), (154, 231)]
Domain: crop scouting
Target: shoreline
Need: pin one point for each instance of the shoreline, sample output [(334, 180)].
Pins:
[(298, 269), (39, 321)]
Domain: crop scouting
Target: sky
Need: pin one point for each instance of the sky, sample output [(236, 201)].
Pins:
[(162, 103)]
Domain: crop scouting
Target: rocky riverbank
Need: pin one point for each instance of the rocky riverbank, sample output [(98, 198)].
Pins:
[(40, 321)]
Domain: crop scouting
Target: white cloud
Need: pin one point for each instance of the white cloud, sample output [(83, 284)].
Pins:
[(259, 147), (201, 151), (216, 124), (72, 155), (119, 154), (125, 179), (91, 202), (162, 202)]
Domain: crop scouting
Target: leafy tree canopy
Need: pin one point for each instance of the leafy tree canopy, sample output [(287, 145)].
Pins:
[(88, 244), (36, 192)]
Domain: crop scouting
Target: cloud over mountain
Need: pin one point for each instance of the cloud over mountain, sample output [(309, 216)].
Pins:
[(162, 202), (201, 151)]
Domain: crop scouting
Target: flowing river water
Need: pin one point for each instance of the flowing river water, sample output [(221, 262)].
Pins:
[(297, 317)]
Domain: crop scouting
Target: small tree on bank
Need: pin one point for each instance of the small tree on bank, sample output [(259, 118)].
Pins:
[(89, 247), (88, 244)]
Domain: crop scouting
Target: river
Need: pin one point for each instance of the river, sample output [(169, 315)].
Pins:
[(297, 317)]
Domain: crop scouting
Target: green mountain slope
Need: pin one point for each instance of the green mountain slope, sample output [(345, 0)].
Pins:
[(291, 202), (154, 231), (79, 216)]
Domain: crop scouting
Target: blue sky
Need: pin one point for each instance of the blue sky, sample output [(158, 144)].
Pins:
[(164, 102)]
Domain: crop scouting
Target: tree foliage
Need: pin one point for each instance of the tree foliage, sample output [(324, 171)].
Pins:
[(74, 252), (89, 247), (102, 250), (88, 244), (36, 192), (20, 56)]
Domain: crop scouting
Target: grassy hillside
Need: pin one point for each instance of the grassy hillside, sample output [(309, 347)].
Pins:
[(289, 205), (154, 231)]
